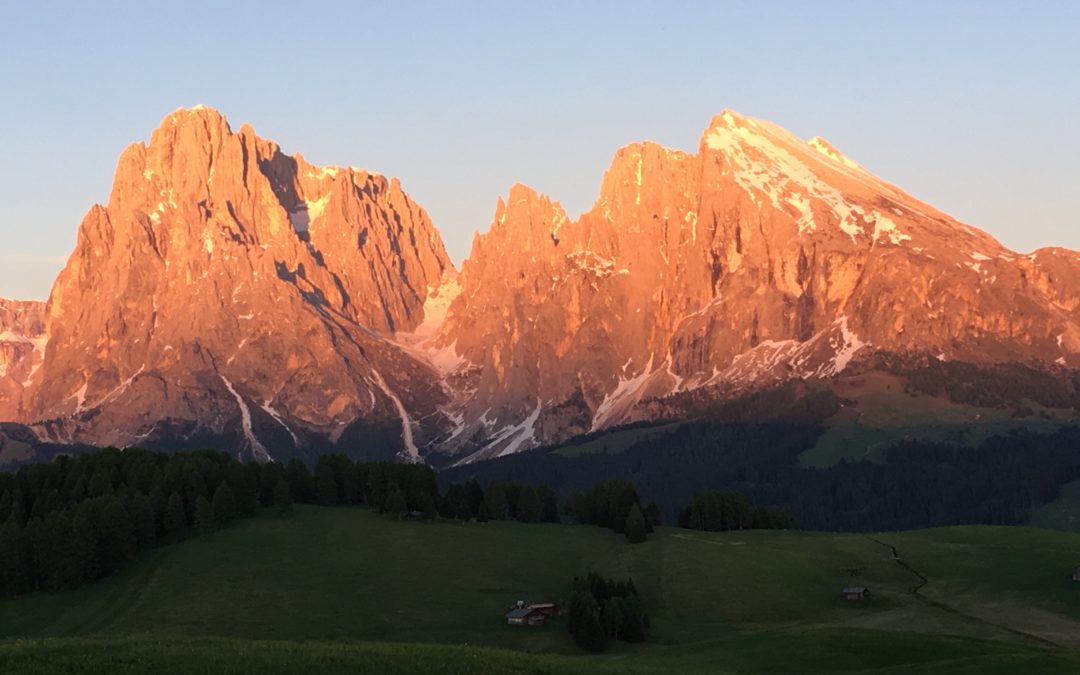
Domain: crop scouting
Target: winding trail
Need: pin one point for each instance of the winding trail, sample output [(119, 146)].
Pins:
[(937, 604)]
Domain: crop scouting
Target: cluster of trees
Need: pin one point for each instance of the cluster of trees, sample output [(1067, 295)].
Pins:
[(603, 609), (724, 510), (616, 506), (920, 483), (76, 519), (388, 487), (501, 501), (990, 385)]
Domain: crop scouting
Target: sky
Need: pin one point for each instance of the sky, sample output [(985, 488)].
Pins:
[(970, 106)]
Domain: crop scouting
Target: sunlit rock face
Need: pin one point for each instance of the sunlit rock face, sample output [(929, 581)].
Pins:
[(761, 257), (232, 295), (229, 291), (22, 347)]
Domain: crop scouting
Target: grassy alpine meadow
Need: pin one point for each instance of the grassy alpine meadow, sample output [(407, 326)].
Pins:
[(345, 590)]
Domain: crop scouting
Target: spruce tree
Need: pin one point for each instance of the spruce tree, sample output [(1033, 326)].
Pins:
[(37, 550), (117, 537), (243, 484), (483, 513), (283, 501), (14, 562), (635, 526), (55, 559), (613, 616), (530, 510), (224, 506), (635, 620), (326, 483), (591, 635), (395, 503), (18, 508), (83, 561), (142, 516), (426, 505), (204, 515), (496, 500), (176, 522)]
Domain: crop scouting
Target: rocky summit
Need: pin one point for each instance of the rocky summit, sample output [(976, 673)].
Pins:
[(230, 294)]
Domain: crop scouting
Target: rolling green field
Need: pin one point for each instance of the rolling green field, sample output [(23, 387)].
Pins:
[(880, 413), (343, 590), (1061, 514)]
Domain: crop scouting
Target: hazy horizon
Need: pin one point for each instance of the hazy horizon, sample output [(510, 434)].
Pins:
[(967, 106)]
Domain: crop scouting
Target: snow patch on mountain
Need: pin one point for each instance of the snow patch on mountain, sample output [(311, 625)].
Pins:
[(625, 396), (411, 452), (257, 448), (272, 412), (522, 436), (761, 165)]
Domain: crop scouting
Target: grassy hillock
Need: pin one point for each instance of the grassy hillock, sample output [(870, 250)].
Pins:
[(344, 590)]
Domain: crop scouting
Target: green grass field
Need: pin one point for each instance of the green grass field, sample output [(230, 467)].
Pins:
[(882, 414), (1061, 514), (343, 590), (617, 441)]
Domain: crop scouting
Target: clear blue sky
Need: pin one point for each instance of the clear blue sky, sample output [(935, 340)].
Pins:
[(972, 106)]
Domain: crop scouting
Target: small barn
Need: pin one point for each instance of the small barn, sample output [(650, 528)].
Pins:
[(530, 614), (524, 616), (855, 592)]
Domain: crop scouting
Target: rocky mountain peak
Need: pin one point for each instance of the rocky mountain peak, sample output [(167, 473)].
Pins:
[(231, 293)]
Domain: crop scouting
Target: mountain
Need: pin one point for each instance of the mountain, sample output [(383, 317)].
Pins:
[(22, 346), (759, 258), (231, 294)]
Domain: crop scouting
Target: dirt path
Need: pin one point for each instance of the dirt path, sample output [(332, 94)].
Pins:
[(916, 591)]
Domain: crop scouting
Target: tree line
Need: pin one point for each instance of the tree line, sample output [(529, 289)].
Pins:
[(724, 510), (920, 483)]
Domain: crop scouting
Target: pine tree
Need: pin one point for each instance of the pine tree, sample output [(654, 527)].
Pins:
[(426, 505), (395, 503), (496, 500), (283, 500), (142, 516), (483, 513), (204, 515), (613, 616), (326, 483), (300, 483), (582, 603), (14, 559), (635, 620), (55, 558), (591, 635), (37, 550), (224, 506), (18, 508), (242, 481), (529, 508), (635, 526), (652, 515), (83, 561), (117, 537), (176, 522)]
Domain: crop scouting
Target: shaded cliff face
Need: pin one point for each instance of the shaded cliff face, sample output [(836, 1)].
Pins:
[(22, 347), (761, 257), (229, 291)]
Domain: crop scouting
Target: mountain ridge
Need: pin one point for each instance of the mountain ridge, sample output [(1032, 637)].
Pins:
[(759, 258)]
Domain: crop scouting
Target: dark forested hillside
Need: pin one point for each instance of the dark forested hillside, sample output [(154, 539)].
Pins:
[(920, 484)]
